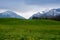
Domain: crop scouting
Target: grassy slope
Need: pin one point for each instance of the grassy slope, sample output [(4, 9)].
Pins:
[(17, 29)]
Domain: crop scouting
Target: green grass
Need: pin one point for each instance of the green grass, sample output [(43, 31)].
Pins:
[(18, 29)]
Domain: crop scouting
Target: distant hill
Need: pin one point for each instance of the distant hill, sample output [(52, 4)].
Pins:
[(10, 14), (16, 21), (53, 13)]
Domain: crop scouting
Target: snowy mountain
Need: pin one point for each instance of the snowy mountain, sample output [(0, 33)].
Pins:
[(52, 13), (10, 14), (36, 15), (49, 14)]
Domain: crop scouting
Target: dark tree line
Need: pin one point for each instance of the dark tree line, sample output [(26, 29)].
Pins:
[(52, 18)]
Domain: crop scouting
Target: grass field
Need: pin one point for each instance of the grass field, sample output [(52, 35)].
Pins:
[(18, 29)]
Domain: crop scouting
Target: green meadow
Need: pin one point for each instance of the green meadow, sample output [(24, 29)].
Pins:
[(19, 29)]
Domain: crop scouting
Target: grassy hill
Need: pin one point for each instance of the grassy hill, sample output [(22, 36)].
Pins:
[(18, 29)]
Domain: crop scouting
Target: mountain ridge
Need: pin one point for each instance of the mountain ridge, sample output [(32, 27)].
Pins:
[(10, 14), (49, 14)]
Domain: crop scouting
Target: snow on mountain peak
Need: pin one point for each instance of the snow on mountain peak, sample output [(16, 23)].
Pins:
[(10, 14)]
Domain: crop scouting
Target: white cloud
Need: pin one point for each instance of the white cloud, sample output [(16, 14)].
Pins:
[(2, 10)]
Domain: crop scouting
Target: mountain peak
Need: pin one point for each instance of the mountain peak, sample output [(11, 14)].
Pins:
[(10, 14), (8, 11)]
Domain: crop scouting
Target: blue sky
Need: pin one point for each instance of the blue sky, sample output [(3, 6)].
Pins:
[(43, 2), (28, 7)]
